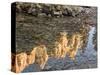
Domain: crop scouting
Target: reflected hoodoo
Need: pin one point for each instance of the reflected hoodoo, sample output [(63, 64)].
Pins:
[(54, 37)]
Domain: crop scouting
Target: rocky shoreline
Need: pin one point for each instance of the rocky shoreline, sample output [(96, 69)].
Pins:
[(49, 9)]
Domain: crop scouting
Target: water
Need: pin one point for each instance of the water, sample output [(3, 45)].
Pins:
[(90, 55), (31, 30), (90, 48), (88, 59), (83, 60)]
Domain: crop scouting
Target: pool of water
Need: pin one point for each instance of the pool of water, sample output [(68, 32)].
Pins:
[(83, 60)]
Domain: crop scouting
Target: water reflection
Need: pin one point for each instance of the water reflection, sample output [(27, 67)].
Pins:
[(90, 46), (66, 39)]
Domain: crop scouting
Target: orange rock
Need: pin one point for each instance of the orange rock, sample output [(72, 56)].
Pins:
[(68, 50), (57, 50), (41, 56), (63, 41), (72, 40), (74, 49), (31, 57), (19, 62)]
